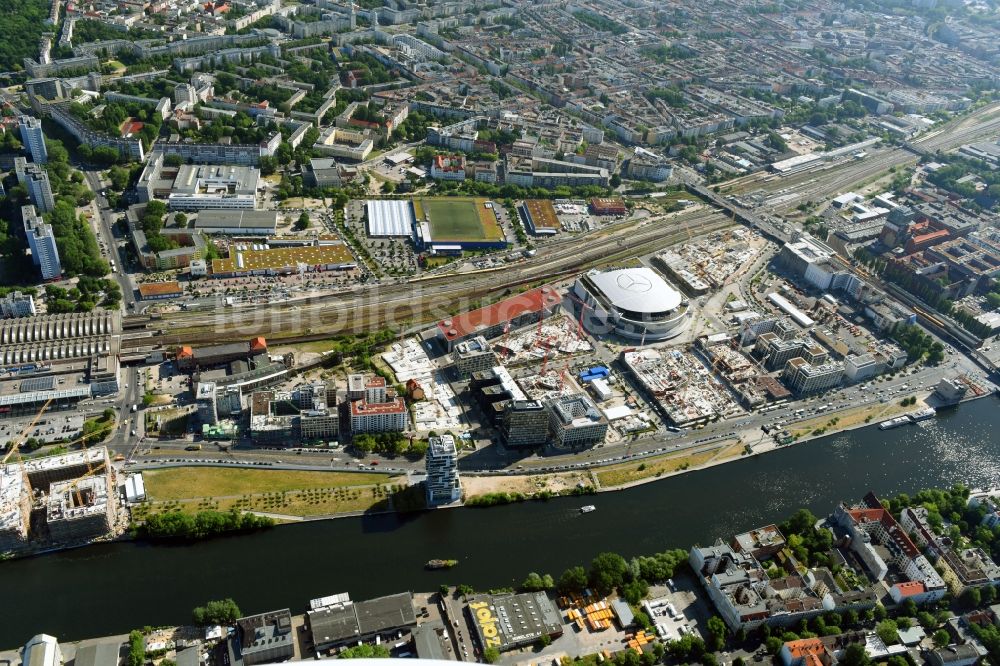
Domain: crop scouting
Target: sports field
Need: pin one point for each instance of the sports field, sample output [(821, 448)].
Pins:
[(458, 219)]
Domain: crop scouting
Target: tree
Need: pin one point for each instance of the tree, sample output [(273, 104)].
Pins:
[(717, 632), (773, 644), (855, 655), (971, 598), (303, 222), (573, 580), (941, 638), (888, 630), (119, 177), (491, 655), (268, 165), (616, 180), (607, 571), (635, 591), (533, 583), (136, 648), (364, 651), (926, 620), (180, 219), (223, 611)]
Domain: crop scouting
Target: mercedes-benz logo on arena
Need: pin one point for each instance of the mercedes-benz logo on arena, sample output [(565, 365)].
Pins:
[(634, 282)]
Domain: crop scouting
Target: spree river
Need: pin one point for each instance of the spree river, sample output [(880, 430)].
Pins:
[(112, 588)]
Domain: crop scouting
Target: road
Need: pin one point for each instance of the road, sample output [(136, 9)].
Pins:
[(365, 308), (154, 454), (105, 226)]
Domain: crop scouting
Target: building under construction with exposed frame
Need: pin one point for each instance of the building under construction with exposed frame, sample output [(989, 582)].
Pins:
[(58, 500)]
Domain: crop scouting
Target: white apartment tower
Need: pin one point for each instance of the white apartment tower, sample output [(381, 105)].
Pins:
[(443, 485), (33, 138), (42, 242)]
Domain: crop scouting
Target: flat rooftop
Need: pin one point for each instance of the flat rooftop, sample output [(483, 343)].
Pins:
[(362, 408), (511, 308), (152, 289), (543, 214), (284, 258), (519, 619), (213, 218)]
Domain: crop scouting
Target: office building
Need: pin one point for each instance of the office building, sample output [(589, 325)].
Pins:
[(323, 172), (803, 377), (524, 423), (208, 410), (472, 356), (575, 422), (33, 139), (319, 424), (42, 243), (443, 485), (34, 178), (16, 304), (265, 638), (336, 620), (185, 92)]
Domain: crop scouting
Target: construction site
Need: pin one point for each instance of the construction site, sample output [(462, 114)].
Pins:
[(710, 263), (552, 337), (682, 386), (58, 501)]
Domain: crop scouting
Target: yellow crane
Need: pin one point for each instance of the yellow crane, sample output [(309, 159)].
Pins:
[(16, 444)]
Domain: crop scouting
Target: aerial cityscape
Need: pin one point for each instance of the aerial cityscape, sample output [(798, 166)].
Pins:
[(500, 331)]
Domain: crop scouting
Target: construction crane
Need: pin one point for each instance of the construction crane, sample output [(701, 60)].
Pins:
[(545, 358), (506, 335), (90, 472), (562, 375), (583, 308), (16, 444)]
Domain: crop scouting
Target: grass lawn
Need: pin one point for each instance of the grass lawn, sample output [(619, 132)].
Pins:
[(873, 413), (317, 346), (167, 422), (195, 482), (459, 219), (618, 475)]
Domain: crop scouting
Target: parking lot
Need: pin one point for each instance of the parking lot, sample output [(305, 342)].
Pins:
[(678, 608)]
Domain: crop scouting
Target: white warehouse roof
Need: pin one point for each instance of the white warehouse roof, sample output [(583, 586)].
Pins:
[(639, 290), (390, 218)]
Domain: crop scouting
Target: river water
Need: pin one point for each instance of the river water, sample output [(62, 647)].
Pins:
[(112, 588)]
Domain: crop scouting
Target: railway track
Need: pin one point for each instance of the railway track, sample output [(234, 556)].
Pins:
[(409, 305)]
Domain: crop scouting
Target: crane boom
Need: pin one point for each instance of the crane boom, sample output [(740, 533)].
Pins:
[(16, 444)]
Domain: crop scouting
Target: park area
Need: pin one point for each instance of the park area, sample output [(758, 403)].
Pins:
[(283, 494), (458, 219)]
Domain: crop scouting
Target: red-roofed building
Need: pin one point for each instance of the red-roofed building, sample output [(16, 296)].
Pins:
[(882, 544), (216, 8), (922, 241), (448, 167), (379, 416), (130, 127), (806, 652), (608, 206), (494, 320), (903, 591)]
